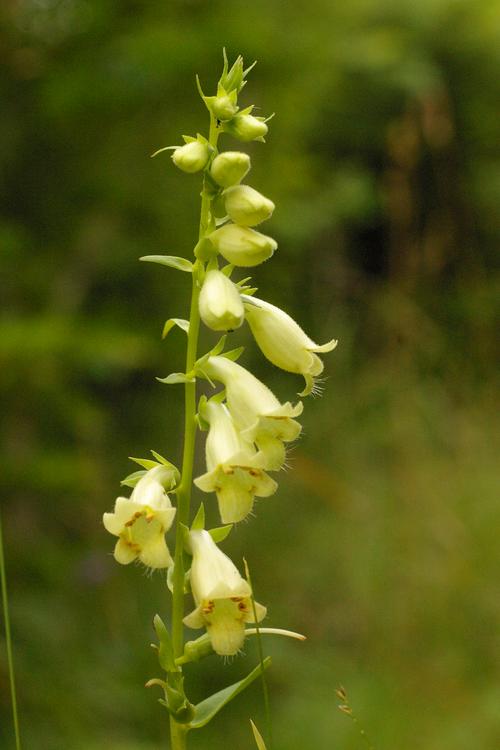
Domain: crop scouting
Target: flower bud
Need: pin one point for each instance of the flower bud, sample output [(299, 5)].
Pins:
[(229, 168), (242, 246), (220, 305), (246, 127), (246, 206), (223, 107), (192, 157)]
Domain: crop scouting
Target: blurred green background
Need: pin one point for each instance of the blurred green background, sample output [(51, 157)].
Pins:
[(382, 542)]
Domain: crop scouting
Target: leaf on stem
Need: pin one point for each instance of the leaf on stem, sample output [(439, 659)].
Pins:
[(181, 264), (171, 322), (207, 709), (177, 377)]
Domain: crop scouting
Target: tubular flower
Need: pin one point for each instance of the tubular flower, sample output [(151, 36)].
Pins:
[(234, 467), (220, 305), (142, 521), (242, 246), (256, 411), (283, 341), (222, 597)]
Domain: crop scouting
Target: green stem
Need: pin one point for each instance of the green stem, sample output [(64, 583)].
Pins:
[(8, 641), (177, 731)]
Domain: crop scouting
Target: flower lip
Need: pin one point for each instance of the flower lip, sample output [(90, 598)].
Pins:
[(141, 522), (257, 413), (222, 597), (235, 470)]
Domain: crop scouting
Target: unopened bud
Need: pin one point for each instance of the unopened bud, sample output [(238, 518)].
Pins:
[(229, 168), (242, 246), (246, 206), (246, 127), (223, 107), (192, 157), (220, 305)]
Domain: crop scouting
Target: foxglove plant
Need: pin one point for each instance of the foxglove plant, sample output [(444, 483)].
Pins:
[(247, 427)]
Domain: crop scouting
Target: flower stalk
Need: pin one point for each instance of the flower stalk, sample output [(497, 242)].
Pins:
[(249, 429)]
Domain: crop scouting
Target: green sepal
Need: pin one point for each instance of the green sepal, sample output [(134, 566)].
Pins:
[(207, 709), (217, 349), (204, 249), (199, 138), (132, 479), (171, 322), (242, 282), (220, 532), (177, 377), (235, 77), (199, 519), (147, 463), (165, 648), (186, 588), (234, 354), (181, 264), (165, 148), (227, 271), (202, 423)]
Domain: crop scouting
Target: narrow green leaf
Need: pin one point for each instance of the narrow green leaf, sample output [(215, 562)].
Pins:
[(220, 533), (258, 737), (181, 264), (177, 377), (171, 322), (207, 709)]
